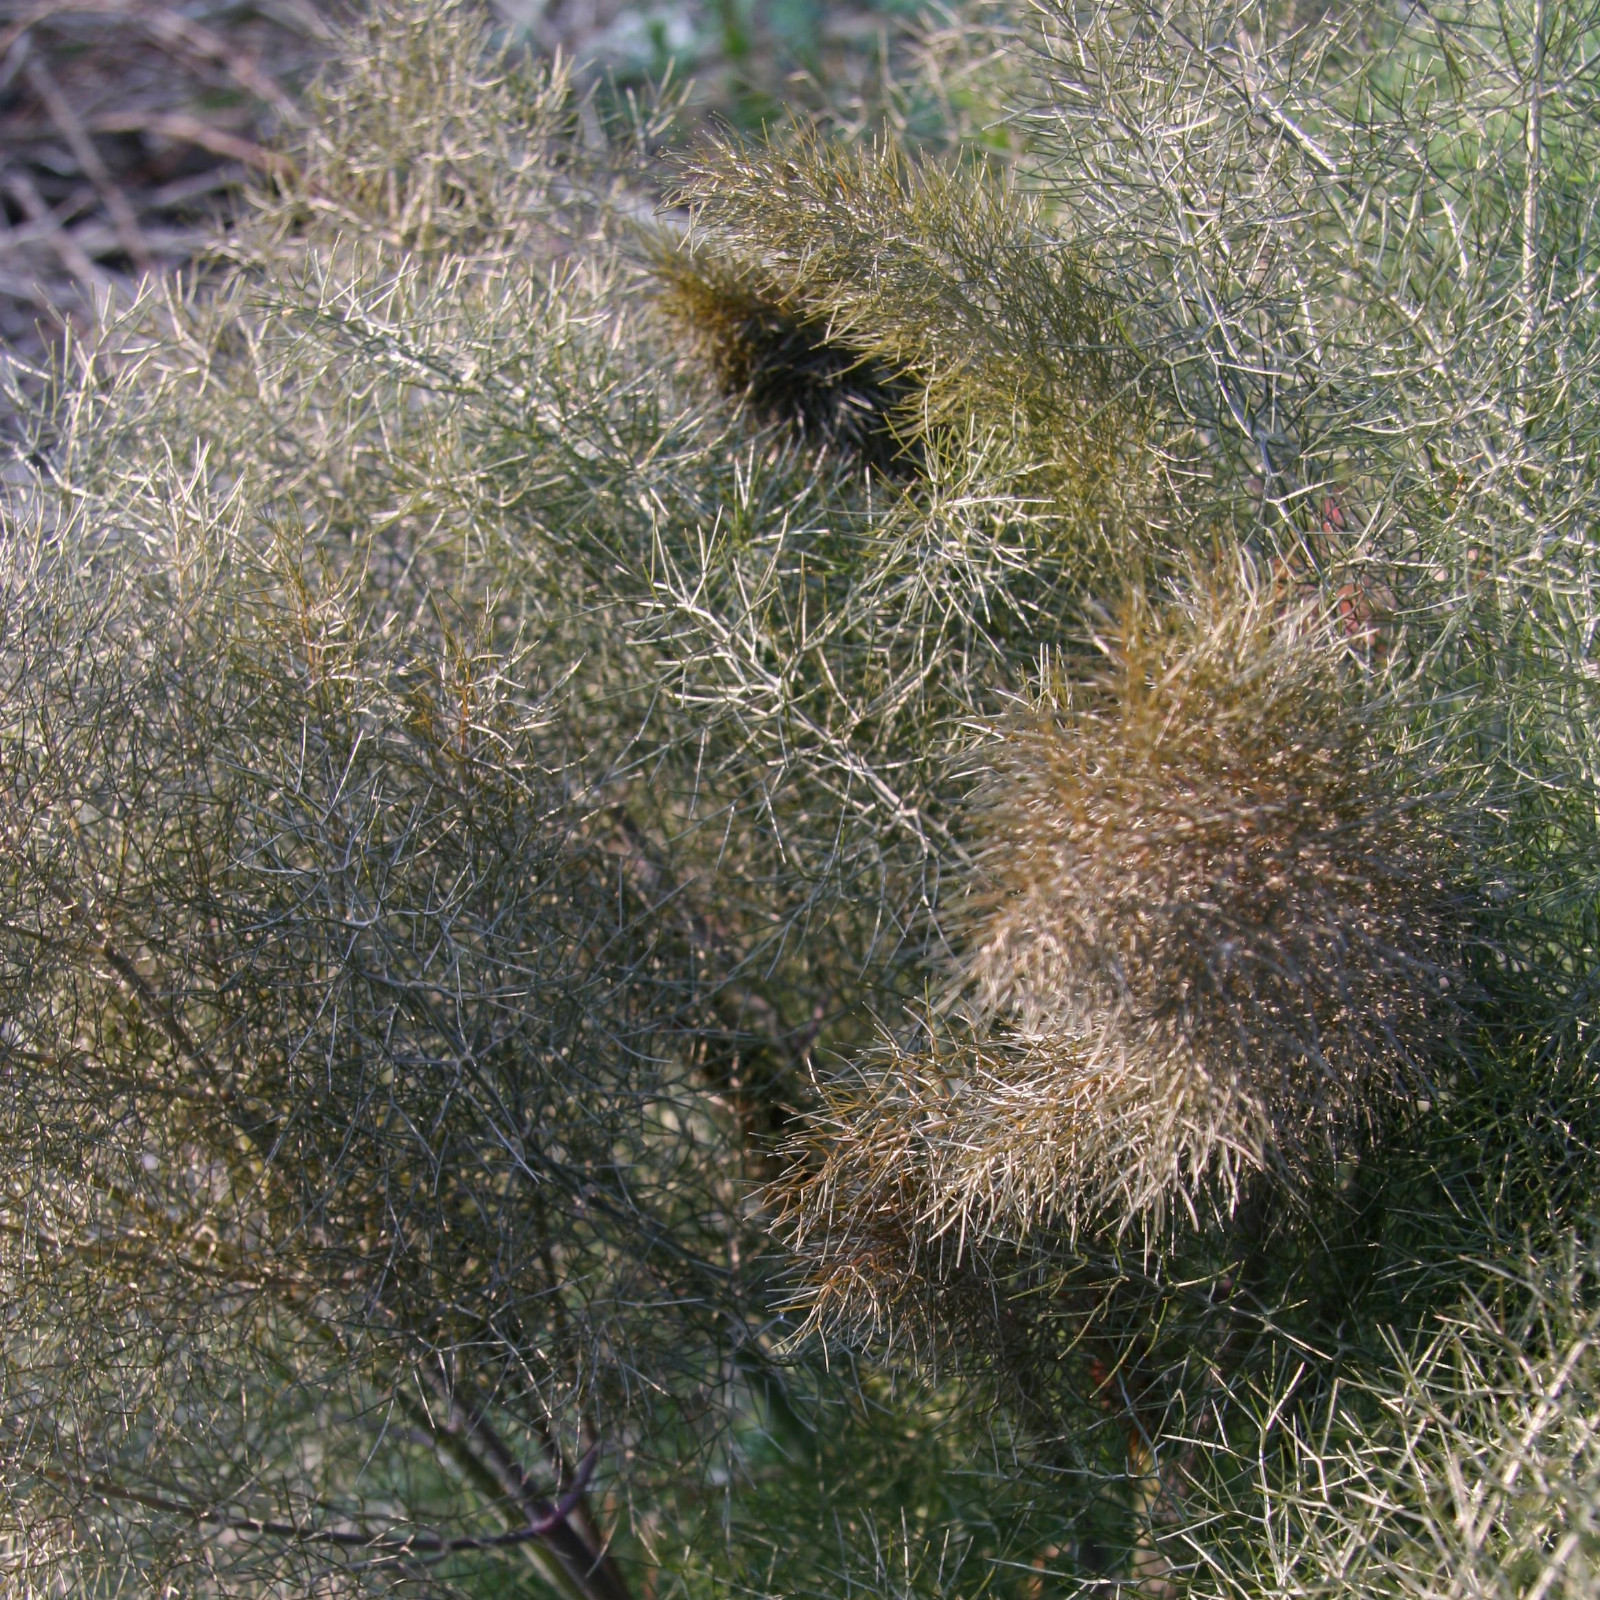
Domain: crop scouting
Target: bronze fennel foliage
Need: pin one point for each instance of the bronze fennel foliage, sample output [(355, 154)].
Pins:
[(606, 989)]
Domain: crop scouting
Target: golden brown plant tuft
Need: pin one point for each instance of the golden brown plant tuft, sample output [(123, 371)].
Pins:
[(897, 1185), (1208, 914), (1209, 934)]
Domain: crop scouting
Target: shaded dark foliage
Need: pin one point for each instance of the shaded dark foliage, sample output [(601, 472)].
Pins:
[(788, 366)]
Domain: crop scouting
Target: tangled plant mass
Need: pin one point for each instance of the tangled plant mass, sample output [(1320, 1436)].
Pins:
[(712, 882), (785, 362)]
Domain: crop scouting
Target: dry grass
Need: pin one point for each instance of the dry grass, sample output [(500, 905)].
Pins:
[(127, 130)]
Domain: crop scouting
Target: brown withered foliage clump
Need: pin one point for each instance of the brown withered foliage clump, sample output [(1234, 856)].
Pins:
[(1213, 930), (1215, 922), (915, 1178)]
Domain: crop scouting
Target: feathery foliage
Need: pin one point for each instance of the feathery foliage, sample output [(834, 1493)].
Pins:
[(819, 868)]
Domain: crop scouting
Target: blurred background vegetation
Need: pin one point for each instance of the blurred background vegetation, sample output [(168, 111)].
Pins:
[(127, 128)]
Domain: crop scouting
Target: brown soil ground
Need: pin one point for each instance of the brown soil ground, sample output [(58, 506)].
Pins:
[(125, 127)]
